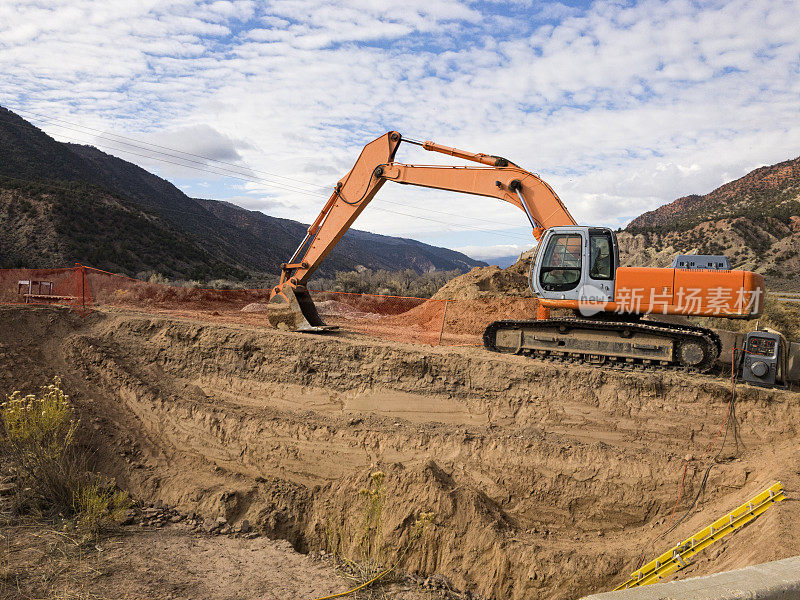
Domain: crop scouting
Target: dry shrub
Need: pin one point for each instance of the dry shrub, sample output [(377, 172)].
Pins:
[(374, 498), (406, 282), (38, 441), (781, 316), (373, 558)]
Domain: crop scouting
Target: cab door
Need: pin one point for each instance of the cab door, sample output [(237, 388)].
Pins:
[(576, 263), (602, 260)]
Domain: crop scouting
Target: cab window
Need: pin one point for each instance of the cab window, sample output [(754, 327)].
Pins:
[(561, 266), (601, 262)]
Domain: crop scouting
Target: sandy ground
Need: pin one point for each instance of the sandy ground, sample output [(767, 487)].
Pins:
[(168, 564), (173, 562), (545, 480)]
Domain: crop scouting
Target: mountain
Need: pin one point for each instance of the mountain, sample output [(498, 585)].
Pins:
[(754, 220), (503, 261), (62, 203), (355, 248), (55, 225)]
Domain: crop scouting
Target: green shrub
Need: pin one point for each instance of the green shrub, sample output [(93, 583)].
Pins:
[(99, 505), (393, 283), (38, 438), (38, 442)]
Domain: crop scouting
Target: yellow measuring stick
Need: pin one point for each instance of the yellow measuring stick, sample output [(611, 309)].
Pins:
[(676, 558)]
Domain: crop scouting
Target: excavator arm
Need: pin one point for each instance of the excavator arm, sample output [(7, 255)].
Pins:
[(498, 178)]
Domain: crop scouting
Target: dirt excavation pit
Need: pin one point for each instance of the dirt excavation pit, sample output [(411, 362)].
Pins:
[(545, 481)]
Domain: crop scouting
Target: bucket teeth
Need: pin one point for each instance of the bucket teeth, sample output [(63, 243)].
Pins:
[(294, 310)]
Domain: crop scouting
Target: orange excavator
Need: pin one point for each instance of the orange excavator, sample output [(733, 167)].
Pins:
[(616, 309)]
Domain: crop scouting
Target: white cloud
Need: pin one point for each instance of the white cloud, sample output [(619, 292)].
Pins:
[(194, 145), (621, 107)]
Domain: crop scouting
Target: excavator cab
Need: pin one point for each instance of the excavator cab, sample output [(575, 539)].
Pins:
[(576, 263)]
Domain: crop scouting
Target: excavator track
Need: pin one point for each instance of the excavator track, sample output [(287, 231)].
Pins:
[(616, 343)]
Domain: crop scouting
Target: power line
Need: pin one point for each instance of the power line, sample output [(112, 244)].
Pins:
[(146, 146), (206, 169), (224, 173), (165, 147), (186, 212)]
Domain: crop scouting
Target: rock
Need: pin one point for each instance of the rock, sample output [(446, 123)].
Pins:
[(176, 519), (222, 521), (209, 525), (281, 316), (255, 307), (245, 527), (6, 489), (251, 535), (225, 530), (438, 582)]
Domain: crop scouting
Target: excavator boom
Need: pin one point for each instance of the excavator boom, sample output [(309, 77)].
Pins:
[(497, 178)]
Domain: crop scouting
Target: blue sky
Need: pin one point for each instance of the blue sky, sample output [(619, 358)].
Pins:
[(620, 106)]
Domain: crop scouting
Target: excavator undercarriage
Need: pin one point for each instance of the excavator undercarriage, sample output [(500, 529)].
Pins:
[(620, 343)]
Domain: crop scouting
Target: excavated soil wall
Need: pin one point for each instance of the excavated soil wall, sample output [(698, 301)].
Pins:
[(545, 480)]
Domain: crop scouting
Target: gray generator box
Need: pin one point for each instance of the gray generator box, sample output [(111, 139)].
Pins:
[(713, 262), (760, 365)]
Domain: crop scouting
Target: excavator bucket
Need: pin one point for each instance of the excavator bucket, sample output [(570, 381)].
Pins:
[(294, 310)]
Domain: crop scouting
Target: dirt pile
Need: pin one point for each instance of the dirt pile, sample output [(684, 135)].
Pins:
[(545, 480), (464, 320), (255, 307), (335, 308), (488, 282)]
